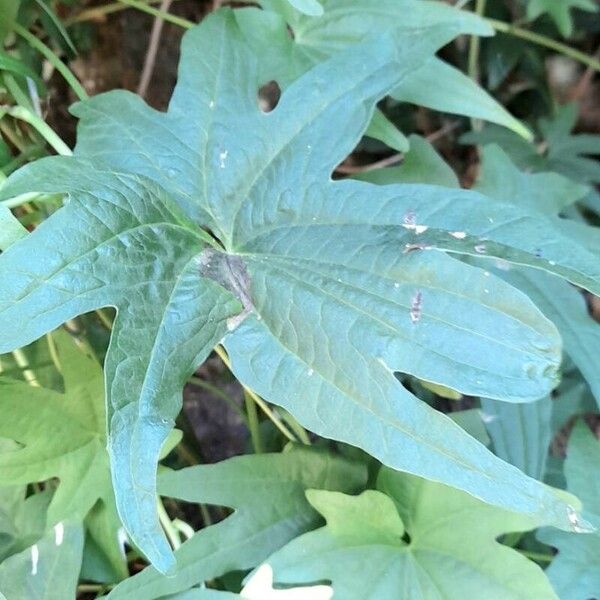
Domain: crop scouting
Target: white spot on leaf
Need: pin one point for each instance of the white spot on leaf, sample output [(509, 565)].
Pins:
[(480, 248), (35, 557), (459, 235), (223, 157), (59, 533), (122, 540)]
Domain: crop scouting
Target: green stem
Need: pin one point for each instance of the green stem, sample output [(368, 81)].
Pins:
[(537, 556), (261, 403), (23, 114), (542, 40), (23, 363), (215, 391), (58, 64), (53, 352), (167, 525), (475, 45), (253, 424), (161, 14)]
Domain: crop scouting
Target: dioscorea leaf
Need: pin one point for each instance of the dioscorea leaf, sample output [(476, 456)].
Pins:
[(410, 536), (319, 289), (267, 494)]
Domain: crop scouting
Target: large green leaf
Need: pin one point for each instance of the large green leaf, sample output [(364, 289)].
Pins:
[(312, 282), (48, 569), (267, 493), (575, 572), (63, 436), (345, 22), (560, 11), (363, 549)]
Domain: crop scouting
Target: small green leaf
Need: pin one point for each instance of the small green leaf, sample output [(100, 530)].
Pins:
[(548, 193), (575, 572), (421, 164), (382, 129), (51, 566), (410, 536), (267, 493), (559, 11)]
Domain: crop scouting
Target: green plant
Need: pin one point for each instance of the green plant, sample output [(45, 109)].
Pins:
[(350, 304)]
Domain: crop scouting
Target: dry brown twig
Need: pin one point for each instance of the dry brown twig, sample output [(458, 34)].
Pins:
[(395, 158), (150, 60)]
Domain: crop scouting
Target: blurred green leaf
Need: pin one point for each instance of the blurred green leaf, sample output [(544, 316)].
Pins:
[(48, 569), (64, 436), (8, 14), (560, 11)]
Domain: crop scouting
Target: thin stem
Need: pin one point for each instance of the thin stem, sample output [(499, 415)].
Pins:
[(104, 319), (167, 525), (155, 12), (261, 403), (475, 45), (213, 389), (253, 424), (542, 40), (150, 60), (184, 528), (473, 59), (24, 114), (537, 556), (23, 364), (58, 64), (300, 432), (53, 352), (97, 12)]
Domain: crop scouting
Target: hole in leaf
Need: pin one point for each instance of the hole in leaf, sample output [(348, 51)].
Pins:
[(268, 96)]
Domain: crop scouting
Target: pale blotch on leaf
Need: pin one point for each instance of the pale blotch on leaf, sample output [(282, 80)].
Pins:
[(59, 533), (459, 235), (230, 272), (416, 307)]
